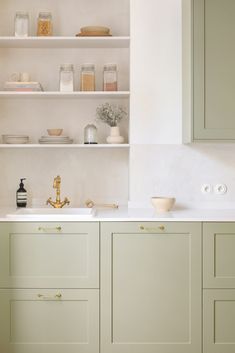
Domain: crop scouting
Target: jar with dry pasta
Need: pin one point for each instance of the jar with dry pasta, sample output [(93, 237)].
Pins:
[(87, 77), (45, 24)]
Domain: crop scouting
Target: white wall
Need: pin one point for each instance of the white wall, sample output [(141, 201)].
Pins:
[(159, 163), (101, 175), (156, 84)]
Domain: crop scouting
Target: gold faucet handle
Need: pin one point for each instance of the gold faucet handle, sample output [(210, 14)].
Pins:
[(48, 201), (66, 200), (57, 182)]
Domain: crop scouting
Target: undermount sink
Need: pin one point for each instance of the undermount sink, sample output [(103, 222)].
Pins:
[(53, 213)]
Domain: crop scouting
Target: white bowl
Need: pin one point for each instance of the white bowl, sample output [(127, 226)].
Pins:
[(163, 204)]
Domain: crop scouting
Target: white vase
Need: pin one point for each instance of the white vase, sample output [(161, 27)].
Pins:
[(115, 135)]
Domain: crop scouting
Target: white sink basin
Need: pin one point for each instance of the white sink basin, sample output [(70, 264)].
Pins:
[(53, 213)]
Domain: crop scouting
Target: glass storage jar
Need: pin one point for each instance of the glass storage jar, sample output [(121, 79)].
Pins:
[(66, 78), (90, 135), (110, 77), (45, 24), (21, 24), (87, 77)]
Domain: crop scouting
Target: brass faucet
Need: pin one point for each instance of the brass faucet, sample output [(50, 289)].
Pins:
[(58, 203)]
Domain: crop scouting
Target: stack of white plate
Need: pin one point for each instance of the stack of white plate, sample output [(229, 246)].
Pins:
[(55, 140), (15, 139)]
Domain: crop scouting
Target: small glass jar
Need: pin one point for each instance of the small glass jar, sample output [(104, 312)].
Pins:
[(21, 24), (66, 78), (90, 135), (87, 77), (110, 77), (45, 24)]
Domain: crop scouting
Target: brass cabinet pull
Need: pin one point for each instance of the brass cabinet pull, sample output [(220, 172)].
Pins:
[(46, 230), (154, 229), (46, 297)]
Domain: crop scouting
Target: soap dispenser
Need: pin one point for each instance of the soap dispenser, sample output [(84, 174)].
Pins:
[(21, 195)]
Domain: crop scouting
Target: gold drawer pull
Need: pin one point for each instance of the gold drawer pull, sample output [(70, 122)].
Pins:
[(155, 229), (46, 230), (46, 297)]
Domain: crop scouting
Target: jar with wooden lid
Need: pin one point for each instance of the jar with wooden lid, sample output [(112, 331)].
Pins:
[(87, 80), (45, 28), (110, 77)]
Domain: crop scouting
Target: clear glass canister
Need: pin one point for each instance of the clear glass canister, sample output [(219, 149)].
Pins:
[(66, 78), (45, 24), (21, 24), (90, 135), (87, 77), (110, 77)]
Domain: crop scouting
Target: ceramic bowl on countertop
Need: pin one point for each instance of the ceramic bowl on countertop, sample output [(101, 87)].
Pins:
[(163, 204)]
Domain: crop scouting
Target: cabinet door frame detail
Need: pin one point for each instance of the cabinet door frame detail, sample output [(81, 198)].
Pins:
[(210, 233), (190, 229), (90, 241)]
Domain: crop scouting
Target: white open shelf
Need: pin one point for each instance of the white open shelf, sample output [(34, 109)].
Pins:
[(83, 146), (65, 42), (96, 94)]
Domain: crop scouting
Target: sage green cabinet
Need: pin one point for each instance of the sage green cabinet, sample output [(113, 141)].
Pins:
[(49, 321), (49, 255), (219, 321), (213, 70), (219, 255), (219, 287), (49, 287), (151, 287)]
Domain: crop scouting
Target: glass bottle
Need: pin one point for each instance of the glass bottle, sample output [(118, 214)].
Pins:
[(66, 78), (90, 135), (110, 77), (44, 24), (87, 77), (21, 24)]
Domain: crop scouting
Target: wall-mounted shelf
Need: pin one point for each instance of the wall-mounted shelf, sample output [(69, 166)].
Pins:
[(65, 42), (96, 94), (82, 146)]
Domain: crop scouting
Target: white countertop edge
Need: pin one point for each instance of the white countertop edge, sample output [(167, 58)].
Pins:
[(124, 214)]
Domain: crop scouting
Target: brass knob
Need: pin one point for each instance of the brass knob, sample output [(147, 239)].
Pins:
[(161, 227), (142, 228)]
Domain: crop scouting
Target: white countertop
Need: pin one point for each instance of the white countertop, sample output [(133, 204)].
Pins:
[(124, 214)]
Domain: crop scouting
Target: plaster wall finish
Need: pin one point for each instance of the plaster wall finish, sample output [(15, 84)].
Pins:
[(159, 163)]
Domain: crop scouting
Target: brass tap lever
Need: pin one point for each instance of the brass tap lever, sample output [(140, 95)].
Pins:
[(58, 203)]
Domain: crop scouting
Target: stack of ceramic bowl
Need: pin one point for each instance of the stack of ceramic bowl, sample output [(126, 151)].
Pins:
[(55, 140), (15, 139), (54, 137)]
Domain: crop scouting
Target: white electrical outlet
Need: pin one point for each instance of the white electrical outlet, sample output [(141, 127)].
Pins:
[(206, 188), (220, 189)]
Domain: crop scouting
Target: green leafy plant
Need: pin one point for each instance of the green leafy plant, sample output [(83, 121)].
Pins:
[(110, 114)]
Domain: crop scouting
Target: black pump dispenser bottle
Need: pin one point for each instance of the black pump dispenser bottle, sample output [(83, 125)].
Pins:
[(21, 195)]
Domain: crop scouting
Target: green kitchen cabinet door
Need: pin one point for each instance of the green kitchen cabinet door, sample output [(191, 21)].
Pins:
[(219, 321), (49, 320), (49, 255), (151, 287), (219, 255), (213, 70)]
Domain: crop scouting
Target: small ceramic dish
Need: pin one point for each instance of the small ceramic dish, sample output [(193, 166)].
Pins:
[(54, 132), (163, 204)]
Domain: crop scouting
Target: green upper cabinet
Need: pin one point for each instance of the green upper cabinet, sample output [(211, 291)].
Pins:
[(213, 70)]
